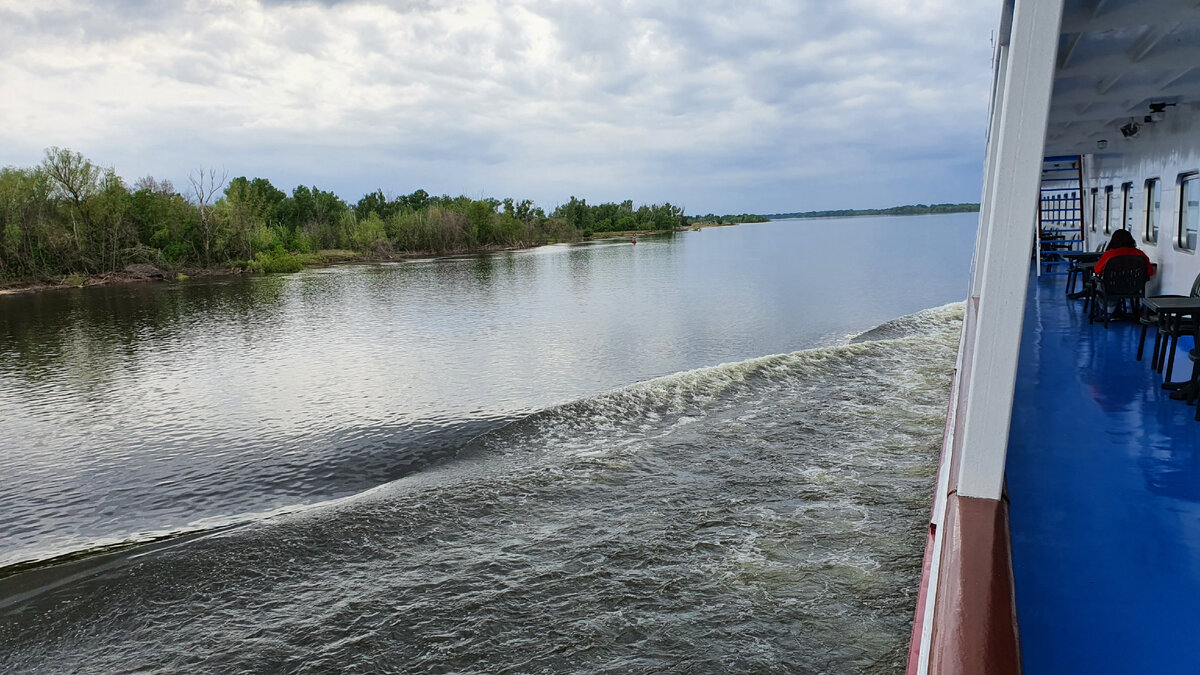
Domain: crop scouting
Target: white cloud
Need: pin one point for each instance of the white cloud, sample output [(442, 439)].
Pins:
[(722, 106)]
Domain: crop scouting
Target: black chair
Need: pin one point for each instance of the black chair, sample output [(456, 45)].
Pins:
[(1122, 281), (1162, 331), (1193, 387)]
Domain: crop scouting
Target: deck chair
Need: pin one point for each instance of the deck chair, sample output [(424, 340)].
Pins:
[(1122, 281), (1194, 385)]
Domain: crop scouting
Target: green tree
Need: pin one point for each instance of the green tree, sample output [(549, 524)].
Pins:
[(419, 200), (114, 231), (378, 204), (480, 216), (76, 181), (252, 213), (31, 241)]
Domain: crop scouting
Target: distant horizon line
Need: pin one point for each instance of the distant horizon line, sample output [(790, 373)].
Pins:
[(901, 210)]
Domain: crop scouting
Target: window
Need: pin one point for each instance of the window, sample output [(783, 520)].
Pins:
[(1127, 206), (1189, 210), (1153, 210), (1093, 214), (1108, 210)]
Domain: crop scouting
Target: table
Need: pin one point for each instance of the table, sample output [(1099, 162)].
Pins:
[(1170, 310), (1173, 304), (1082, 270), (1076, 260)]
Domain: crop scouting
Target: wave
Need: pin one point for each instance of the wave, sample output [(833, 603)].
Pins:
[(936, 319), (597, 426), (677, 395), (769, 510)]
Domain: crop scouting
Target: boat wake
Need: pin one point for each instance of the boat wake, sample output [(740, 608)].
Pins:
[(768, 510)]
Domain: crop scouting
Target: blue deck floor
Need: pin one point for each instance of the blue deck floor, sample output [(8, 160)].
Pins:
[(1103, 478)]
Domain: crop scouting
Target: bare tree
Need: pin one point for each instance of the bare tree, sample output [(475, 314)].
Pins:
[(163, 187), (205, 185)]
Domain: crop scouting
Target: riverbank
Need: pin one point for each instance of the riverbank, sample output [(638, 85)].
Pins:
[(702, 226), (139, 274), (627, 234), (134, 274)]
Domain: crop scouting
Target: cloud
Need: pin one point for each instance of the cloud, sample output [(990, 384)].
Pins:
[(723, 106)]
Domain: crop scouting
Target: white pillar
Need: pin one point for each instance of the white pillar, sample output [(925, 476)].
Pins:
[(1002, 274)]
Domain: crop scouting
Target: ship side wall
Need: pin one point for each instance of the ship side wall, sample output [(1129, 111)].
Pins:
[(1163, 150)]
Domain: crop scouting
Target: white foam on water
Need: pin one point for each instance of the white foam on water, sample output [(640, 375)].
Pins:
[(770, 510)]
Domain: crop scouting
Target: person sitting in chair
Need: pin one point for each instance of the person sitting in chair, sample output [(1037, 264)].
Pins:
[(1122, 243)]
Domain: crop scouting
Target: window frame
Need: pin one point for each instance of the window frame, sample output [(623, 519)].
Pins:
[(1095, 191), (1181, 181), (1108, 195), (1152, 188), (1126, 205)]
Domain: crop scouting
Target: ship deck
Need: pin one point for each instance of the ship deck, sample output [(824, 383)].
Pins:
[(1103, 478)]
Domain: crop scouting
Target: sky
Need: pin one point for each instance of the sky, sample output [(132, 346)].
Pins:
[(719, 106)]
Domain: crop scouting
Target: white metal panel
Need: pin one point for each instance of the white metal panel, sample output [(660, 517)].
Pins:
[(1018, 153), (989, 166)]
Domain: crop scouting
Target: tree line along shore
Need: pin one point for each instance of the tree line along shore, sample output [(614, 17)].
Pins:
[(70, 220), (906, 210)]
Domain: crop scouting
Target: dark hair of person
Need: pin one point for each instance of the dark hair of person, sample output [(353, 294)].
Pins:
[(1121, 239)]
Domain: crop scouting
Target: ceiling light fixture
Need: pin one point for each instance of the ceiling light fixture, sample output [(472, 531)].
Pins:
[(1158, 111)]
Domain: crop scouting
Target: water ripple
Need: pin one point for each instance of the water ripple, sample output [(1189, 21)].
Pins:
[(773, 530)]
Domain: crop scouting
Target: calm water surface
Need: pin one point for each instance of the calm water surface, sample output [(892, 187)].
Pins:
[(539, 462)]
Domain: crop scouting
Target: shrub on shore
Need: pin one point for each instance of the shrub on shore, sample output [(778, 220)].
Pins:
[(275, 261)]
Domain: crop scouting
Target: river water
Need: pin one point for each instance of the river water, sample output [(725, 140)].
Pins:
[(596, 457)]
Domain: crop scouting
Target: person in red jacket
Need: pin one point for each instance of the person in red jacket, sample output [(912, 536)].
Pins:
[(1122, 244)]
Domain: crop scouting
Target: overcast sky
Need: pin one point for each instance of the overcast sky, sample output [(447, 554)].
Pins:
[(720, 106)]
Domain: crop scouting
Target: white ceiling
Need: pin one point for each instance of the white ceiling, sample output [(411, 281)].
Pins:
[(1115, 58)]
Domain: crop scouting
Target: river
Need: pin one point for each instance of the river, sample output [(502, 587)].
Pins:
[(597, 457)]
